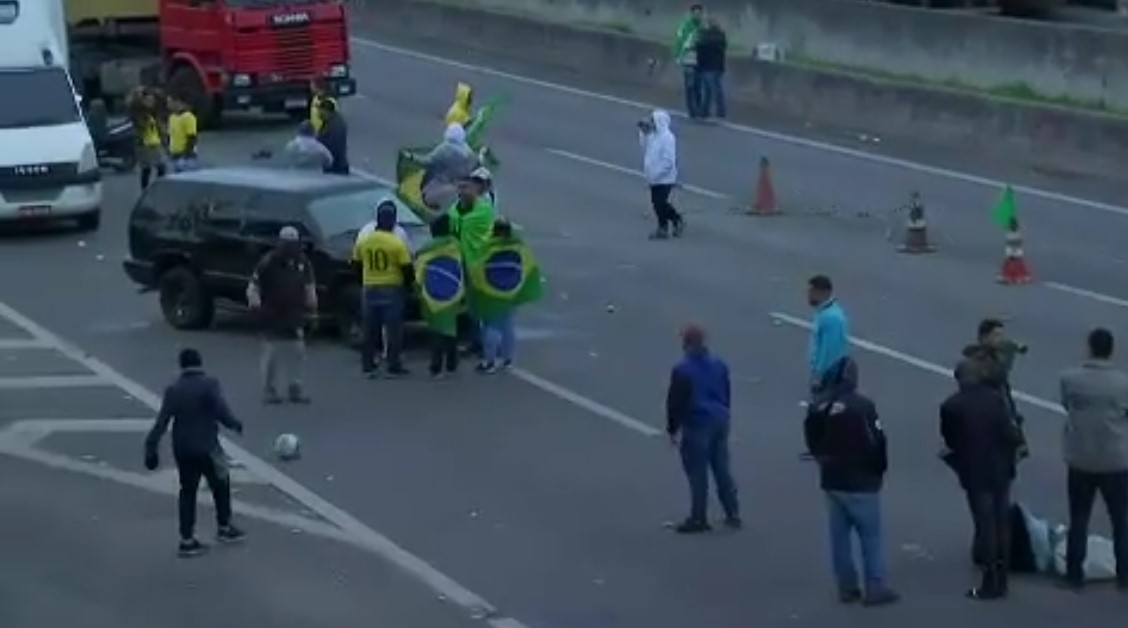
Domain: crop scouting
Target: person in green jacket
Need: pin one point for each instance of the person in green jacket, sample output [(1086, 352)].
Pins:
[(471, 221), (685, 54)]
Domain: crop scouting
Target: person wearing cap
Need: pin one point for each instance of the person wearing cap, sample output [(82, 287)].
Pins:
[(370, 226), (698, 415), (283, 292), (472, 222), (305, 152), (334, 135), (387, 274), (195, 407)]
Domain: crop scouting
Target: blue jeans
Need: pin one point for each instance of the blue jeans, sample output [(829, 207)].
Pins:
[(704, 448), (499, 339), (693, 95), (382, 311), (712, 94), (849, 514)]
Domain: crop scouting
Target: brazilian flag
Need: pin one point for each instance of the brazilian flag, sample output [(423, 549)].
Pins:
[(409, 181), (476, 130), (439, 278), (507, 277)]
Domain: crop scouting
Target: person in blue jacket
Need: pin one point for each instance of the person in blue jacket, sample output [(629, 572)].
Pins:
[(698, 409), (830, 331)]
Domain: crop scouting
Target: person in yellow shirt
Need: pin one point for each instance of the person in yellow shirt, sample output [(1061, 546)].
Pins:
[(461, 112), (387, 274), (182, 135), (320, 90), (145, 107)]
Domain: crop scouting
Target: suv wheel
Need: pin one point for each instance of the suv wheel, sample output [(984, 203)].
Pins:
[(185, 301), (90, 222)]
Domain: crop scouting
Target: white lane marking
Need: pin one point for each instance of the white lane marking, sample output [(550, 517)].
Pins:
[(552, 388), (914, 361), (366, 537), (591, 161), (1088, 294), (17, 344), (47, 382), (770, 135), (16, 443), (584, 403)]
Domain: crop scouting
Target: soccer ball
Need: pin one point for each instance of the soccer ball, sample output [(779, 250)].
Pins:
[(287, 447)]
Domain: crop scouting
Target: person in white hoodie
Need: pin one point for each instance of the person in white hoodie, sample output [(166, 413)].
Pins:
[(660, 166)]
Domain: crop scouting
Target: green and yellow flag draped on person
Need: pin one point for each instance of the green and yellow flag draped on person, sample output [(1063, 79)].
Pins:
[(440, 279), (506, 277)]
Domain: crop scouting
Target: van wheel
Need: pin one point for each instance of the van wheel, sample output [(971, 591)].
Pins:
[(90, 222), (186, 83), (185, 302)]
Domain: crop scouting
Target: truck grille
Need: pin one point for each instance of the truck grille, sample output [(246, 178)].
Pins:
[(294, 52)]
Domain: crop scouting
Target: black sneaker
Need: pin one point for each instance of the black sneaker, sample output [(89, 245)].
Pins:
[(679, 228), (486, 368), (734, 523), (850, 596), (660, 234), (297, 396), (438, 375), (231, 535), (271, 397), (398, 371), (985, 594), (693, 526), (190, 547), (883, 597)]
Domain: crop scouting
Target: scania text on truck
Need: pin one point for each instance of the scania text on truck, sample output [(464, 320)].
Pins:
[(220, 55), (48, 164)]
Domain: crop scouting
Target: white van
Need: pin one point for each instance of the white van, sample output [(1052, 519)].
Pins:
[(48, 163)]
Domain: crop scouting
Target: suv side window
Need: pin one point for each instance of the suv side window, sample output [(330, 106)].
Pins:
[(226, 209)]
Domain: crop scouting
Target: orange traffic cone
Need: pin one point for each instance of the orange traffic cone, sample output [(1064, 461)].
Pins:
[(1014, 270), (916, 229), (765, 202)]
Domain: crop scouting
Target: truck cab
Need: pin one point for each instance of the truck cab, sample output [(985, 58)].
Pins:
[(48, 164), (218, 55)]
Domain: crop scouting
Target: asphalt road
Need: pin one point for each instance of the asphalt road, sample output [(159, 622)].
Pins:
[(547, 492)]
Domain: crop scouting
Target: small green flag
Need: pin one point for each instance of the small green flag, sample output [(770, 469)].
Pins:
[(1006, 209)]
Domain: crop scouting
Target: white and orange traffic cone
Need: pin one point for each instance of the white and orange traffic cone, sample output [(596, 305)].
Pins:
[(1015, 271)]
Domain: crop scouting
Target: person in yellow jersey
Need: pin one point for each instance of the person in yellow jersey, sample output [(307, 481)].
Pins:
[(182, 135), (320, 90), (145, 106), (387, 274), (461, 111)]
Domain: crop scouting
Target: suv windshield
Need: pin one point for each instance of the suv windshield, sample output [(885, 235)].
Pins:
[(37, 97), (348, 212)]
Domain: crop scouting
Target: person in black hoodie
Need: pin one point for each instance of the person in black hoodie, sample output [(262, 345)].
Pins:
[(712, 48), (844, 437), (334, 135), (195, 406), (982, 442)]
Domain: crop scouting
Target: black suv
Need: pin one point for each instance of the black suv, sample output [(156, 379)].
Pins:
[(195, 238)]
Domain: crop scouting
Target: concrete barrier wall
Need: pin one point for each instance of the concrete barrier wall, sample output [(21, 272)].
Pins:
[(1053, 60), (1037, 136)]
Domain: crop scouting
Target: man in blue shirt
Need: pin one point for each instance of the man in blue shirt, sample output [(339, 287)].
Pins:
[(698, 406), (830, 330)]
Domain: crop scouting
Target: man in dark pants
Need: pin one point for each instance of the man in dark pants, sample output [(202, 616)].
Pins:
[(1095, 397), (660, 167), (387, 274), (982, 441), (195, 406), (712, 48), (698, 406), (334, 135)]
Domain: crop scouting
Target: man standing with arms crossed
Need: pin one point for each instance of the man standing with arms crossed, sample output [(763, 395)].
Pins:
[(1095, 396), (283, 291)]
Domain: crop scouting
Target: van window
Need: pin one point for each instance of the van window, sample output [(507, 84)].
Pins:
[(37, 97)]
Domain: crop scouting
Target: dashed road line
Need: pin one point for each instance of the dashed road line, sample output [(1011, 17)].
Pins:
[(606, 165), (357, 532), (1087, 294)]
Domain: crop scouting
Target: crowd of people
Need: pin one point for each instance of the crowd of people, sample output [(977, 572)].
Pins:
[(979, 424)]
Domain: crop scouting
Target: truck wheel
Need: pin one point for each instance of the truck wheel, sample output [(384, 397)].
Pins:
[(186, 83), (185, 302)]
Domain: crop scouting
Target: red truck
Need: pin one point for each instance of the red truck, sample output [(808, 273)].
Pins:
[(222, 55)]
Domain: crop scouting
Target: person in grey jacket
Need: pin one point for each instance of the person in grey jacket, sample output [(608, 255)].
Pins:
[(195, 407), (451, 161), (1095, 397), (305, 152)]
